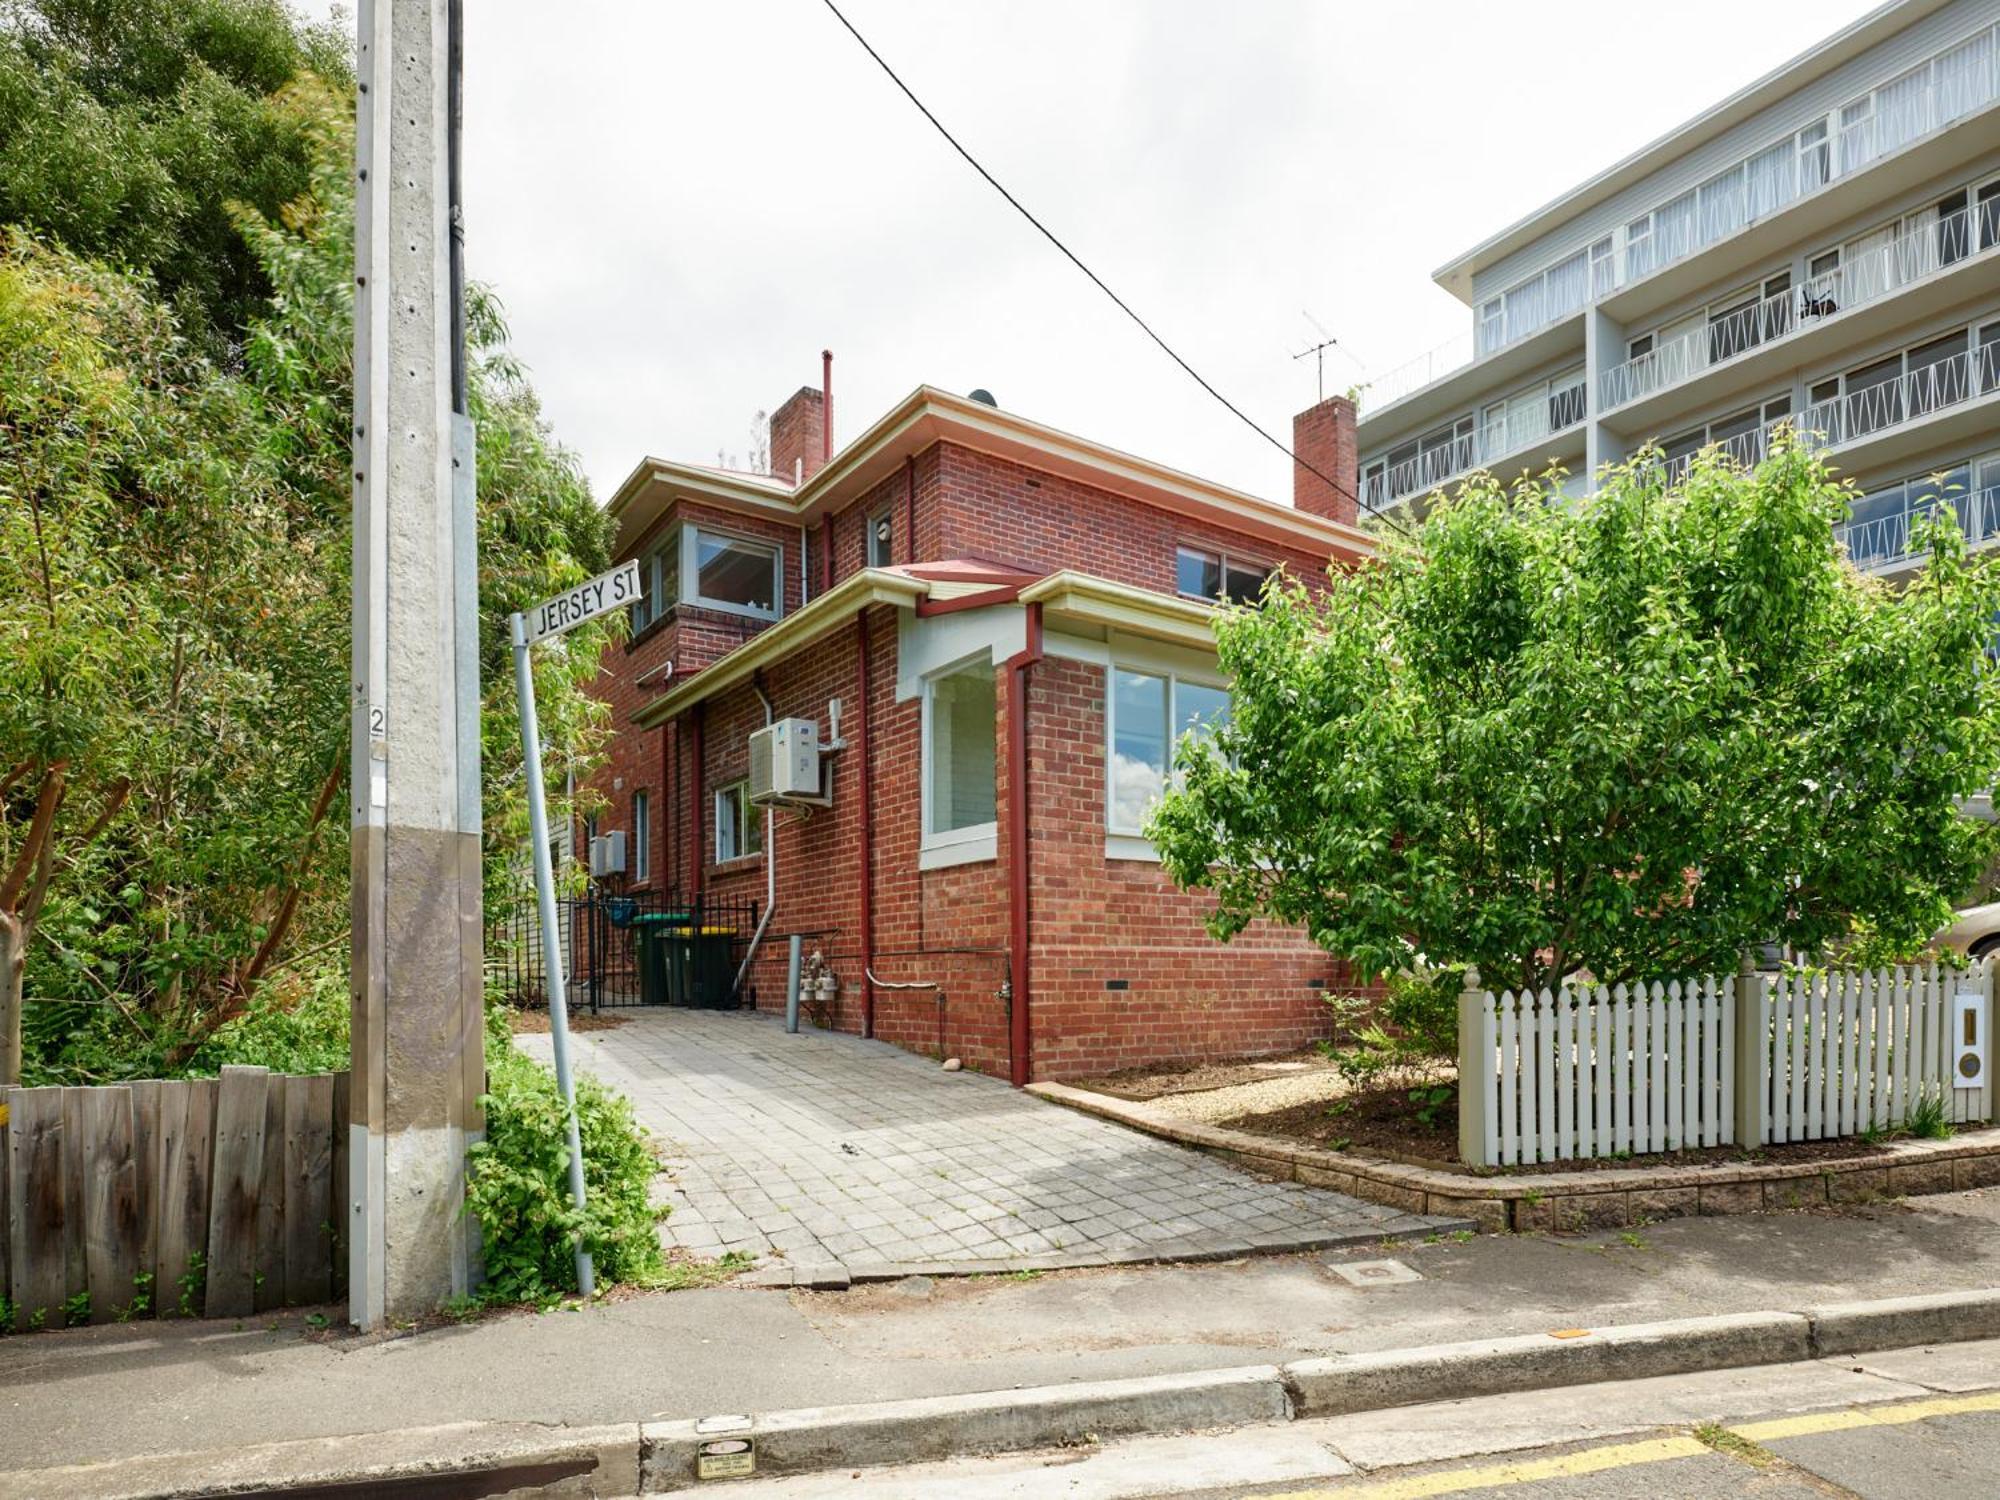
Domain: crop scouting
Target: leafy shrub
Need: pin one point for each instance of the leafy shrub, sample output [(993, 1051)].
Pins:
[(1412, 1027), (519, 1184)]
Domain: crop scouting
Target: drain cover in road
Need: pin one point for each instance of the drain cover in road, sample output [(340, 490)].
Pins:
[(1373, 1272)]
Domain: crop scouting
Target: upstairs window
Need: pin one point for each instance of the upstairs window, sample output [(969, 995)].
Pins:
[(733, 573), (1218, 577), (881, 540), (659, 583)]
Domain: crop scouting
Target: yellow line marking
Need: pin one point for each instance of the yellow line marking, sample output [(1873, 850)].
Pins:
[(1865, 1416), (1527, 1471)]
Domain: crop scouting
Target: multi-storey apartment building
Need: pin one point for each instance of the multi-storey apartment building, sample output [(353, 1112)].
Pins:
[(1820, 249)]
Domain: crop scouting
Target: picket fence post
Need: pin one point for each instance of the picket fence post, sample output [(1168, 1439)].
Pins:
[(1753, 1055), (1478, 1102)]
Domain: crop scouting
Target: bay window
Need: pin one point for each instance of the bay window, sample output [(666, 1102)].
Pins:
[(732, 573)]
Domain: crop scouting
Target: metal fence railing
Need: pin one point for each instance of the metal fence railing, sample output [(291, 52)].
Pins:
[(647, 948)]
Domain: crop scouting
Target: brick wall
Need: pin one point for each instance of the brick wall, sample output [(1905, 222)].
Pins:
[(1323, 436)]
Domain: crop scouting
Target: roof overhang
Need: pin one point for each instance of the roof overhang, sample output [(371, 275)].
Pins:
[(928, 416), (799, 629), (1455, 275), (1071, 599)]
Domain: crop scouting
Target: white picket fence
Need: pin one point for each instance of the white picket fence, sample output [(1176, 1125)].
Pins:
[(1599, 1071)]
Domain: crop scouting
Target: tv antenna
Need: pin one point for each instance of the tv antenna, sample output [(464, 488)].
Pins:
[(1317, 352)]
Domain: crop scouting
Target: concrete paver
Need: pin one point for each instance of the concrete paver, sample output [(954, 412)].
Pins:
[(825, 1149)]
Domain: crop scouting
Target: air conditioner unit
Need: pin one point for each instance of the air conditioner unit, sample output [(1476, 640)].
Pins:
[(607, 854), (784, 762)]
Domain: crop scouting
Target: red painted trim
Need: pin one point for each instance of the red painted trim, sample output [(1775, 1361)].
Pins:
[(910, 508), (1020, 1035), (663, 829), (866, 800), (826, 552), (694, 802)]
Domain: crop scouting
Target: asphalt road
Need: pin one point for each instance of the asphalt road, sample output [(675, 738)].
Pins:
[(1910, 1424)]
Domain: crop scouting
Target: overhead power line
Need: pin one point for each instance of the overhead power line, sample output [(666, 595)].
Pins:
[(1098, 281)]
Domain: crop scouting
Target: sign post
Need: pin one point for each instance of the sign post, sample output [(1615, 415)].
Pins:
[(553, 617)]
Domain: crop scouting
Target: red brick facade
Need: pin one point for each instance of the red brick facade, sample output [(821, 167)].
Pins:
[(1325, 478), (1120, 968)]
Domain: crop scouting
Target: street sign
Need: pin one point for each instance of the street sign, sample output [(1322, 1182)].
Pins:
[(604, 593)]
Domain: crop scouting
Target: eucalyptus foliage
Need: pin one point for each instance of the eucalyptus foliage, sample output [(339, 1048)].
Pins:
[(1631, 735)]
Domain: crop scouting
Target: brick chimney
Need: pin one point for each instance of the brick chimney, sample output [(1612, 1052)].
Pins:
[(798, 436), (1322, 436)]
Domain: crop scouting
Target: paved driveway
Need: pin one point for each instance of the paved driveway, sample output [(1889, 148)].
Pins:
[(849, 1156)]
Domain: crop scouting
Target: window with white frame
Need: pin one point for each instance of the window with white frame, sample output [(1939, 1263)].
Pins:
[(642, 837), (960, 707), (1147, 713), (1219, 576), (659, 582), (732, 573), (739, 832), (881, 540)]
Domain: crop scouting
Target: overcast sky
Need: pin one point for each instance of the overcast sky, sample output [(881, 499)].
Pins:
[(681, 203)]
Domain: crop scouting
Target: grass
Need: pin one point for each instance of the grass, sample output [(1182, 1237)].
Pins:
[(1722, 1440)]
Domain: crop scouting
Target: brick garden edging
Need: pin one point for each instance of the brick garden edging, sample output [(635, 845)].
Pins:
[(1609, 1199)]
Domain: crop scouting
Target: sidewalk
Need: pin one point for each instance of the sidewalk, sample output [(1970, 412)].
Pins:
[(189, 1387)]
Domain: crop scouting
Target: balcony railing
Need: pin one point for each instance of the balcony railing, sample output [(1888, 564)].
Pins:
[(1434, 466), (1872, 275), (1957, 82), (1882, 541), (1906, 398)]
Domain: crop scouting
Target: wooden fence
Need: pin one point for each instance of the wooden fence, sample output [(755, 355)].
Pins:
[(193, 1197), (1747, 1059)]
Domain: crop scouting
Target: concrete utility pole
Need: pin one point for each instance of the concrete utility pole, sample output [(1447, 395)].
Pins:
[(418, 1058)]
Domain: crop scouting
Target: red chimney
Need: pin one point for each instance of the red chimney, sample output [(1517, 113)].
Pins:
[(1322, 436), (798, 436)]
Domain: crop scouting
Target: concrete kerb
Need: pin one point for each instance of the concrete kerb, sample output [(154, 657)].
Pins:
[(1606, 1198), (659, 1457)]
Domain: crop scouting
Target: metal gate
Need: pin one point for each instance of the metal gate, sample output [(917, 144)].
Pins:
[(607, 945)]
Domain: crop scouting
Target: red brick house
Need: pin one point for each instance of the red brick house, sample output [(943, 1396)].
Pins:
[(982, 616)]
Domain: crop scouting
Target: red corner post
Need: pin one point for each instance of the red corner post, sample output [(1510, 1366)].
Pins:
[(866, 799), (1020, 1034)]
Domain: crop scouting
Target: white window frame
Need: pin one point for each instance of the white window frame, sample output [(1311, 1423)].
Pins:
[(1124, 842), (737, 792), (1224, 560), (642, 836), (978, 842), (650, 606), (691, 536), (885, 517)]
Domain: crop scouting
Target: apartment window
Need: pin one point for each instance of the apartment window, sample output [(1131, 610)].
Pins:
[(1987, 202), (1873, 397), (1566, 394), (1201, 574), (1987, 363), (1954, 230), (959, 711), (642, 838), (733, 573), (1149, 712), (1815, 157), (1639, 247), (881, 540), (1603, 269), (1938, 373), (1640, 347), (1492, 326), (739, 832)]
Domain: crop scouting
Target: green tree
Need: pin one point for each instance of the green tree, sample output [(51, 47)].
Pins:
[(1629, 736), (173, 604), (128, 127)]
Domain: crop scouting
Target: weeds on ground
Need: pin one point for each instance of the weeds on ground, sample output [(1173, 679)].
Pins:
[(1722, 1440)]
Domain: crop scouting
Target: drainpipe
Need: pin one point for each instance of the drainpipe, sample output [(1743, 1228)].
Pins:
[(910, 507), (1019, 1034), (770, 862), (805, 584), (694, 797), (826, 552), (867, 841)]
